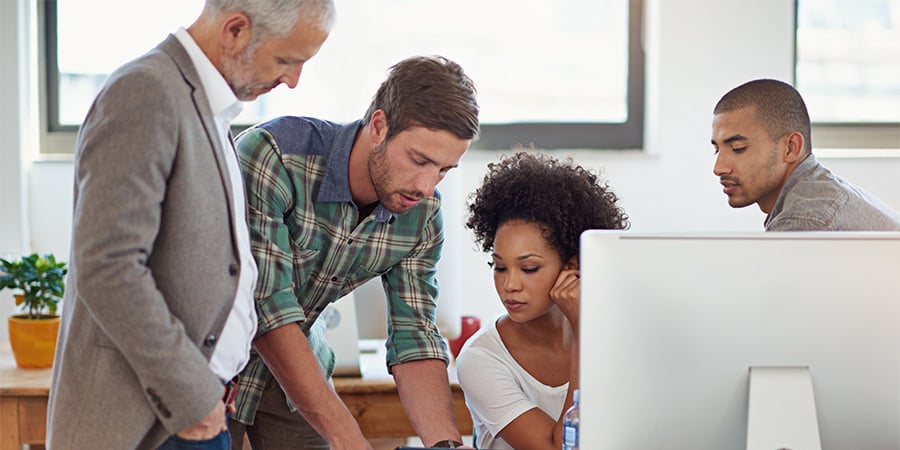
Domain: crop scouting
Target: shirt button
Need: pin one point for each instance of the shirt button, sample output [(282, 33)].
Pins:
[(334, 279), (210, 340), (233, 270), (349, 241)]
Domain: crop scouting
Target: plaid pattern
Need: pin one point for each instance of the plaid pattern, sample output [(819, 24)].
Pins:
[(311, 251)]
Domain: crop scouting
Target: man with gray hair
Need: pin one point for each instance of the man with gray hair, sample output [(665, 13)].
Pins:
[(159, 314), (761, 136)]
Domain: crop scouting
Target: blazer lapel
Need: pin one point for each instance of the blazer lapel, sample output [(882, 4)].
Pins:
[(201, 102)]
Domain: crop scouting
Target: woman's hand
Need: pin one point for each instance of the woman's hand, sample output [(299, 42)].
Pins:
[(566, 293)]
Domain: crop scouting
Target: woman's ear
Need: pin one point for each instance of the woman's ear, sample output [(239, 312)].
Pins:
[(572, 263)]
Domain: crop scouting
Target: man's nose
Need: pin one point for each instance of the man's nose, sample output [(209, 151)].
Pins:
[(291, 77), (721, 166), (428, 181)]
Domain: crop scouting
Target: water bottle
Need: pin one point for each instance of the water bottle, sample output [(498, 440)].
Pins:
[(571, 422)]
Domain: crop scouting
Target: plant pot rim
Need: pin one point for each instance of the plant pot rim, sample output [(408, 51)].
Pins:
[(26, 318)]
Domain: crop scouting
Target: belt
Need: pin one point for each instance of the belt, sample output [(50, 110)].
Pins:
[(230, 391)]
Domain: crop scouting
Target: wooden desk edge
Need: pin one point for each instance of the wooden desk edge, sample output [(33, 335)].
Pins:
[(374, 403)]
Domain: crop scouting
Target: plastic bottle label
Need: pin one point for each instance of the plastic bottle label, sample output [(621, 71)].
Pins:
[(570, 438)]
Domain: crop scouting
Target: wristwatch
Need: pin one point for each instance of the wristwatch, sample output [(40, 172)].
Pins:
[(447, 443)]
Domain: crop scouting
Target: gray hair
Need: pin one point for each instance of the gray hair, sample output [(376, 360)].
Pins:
[(275, 17)]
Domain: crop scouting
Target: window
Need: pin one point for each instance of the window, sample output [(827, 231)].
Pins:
[(553, 73), (848, 69)]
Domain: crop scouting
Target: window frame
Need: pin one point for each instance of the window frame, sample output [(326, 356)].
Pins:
[(57, 139), (847, 135)]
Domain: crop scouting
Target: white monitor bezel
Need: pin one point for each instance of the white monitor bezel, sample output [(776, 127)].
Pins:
[(669, 374)]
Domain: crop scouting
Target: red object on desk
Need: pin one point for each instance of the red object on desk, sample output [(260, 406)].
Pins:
[(470, 324)]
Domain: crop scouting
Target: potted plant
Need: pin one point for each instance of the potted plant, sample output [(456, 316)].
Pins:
[(39, 284)]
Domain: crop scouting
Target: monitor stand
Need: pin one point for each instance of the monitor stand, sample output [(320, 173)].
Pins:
[(781, 412)]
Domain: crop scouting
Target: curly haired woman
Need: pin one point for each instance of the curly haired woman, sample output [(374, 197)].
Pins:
[(519, 373)]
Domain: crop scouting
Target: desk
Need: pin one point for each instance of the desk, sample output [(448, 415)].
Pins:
[(372, 399), (23, 402)]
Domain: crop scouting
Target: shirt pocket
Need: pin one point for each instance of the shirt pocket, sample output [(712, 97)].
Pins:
[(376, 270), (379, 263)]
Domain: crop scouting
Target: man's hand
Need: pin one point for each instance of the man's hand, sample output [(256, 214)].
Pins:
[(209, 427), (287, 353), (424, 390)]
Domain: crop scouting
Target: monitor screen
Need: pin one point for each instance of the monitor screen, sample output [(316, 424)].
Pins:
[(672, 324)]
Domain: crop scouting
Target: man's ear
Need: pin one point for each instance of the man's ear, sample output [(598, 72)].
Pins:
[(378, 127), (235, 32), (795, 147)]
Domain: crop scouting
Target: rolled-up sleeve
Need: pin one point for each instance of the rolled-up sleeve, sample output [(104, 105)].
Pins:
[(270, 195), (412, 289)]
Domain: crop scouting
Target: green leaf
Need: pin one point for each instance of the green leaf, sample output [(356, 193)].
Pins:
[(40, 280)]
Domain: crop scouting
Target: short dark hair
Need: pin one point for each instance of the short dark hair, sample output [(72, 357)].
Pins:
[(431, 92), (564, 199), (778, 106)]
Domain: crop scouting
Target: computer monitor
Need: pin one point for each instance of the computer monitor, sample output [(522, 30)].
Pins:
[(673, 323)]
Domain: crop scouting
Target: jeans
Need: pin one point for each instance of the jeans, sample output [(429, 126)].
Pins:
[(220, 442)]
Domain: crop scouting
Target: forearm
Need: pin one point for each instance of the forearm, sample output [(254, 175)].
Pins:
[(566, 294), (574, 370), (425, 394), (287, 353)]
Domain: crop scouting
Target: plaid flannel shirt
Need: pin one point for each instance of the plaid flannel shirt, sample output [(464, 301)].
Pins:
[(311, 251)]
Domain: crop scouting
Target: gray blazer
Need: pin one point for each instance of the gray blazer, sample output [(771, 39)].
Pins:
[(154, 264)]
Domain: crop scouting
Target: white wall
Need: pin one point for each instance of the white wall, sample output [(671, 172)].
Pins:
[(696, 51), (16, 116)]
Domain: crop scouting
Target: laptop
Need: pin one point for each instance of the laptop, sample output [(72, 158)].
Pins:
[(342, 333)]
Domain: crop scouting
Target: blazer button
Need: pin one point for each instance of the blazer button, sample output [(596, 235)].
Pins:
[(233, 270), (210, 340)]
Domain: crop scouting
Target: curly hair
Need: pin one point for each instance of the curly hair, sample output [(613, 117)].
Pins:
[(564, 199)]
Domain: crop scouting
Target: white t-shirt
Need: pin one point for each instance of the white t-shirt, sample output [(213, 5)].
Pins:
[(498, 390)]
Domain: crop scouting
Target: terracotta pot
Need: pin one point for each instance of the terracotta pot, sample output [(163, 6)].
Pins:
[(33, 341)]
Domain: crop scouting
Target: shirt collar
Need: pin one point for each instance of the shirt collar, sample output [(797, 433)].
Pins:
[(803, 170), (336, 182), (222, 100)]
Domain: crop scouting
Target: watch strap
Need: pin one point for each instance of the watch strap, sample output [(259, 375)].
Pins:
[(447, 443)]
